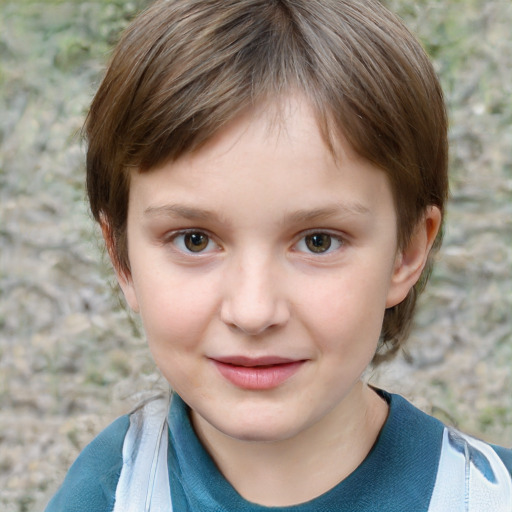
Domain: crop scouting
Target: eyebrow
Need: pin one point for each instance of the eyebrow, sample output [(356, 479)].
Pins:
[(181, 211), (304, 215), (335, 210)]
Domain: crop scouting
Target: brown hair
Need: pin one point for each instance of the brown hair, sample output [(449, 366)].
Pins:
[(185, 68)]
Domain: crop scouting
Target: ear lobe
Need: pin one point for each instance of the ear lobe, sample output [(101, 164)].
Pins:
[(124, 277), (411, 261)]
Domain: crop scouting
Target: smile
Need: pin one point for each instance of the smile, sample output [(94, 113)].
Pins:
[(257, 374)]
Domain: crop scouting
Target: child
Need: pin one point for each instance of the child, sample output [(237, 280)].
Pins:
[(270, 178)]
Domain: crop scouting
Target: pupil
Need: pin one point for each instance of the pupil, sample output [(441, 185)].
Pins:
[(196, 242), (319, 242), (196, 239)]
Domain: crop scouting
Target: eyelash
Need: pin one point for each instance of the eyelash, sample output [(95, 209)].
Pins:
[(339, 240), (174, 239), (300, 246)]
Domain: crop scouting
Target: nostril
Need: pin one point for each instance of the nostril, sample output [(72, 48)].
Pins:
[(254, 319)]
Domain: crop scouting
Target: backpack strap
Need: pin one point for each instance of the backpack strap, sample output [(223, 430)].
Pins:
[(143, 485), (471, 477)]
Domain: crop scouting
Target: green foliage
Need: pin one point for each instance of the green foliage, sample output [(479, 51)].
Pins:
[(65, 32)]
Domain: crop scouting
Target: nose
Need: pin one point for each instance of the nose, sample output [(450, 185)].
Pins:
[(253, 300)]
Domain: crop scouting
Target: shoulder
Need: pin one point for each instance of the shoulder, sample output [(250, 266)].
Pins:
[(473, 473), (448, 467), (91, 481)]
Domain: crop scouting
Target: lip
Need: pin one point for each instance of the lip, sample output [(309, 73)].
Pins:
[(259, 373)]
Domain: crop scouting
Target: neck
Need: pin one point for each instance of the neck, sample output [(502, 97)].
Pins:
[(295, 470)]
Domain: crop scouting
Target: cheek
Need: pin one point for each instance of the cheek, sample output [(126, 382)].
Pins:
[(344, 313), (175, 319), (175, 309)]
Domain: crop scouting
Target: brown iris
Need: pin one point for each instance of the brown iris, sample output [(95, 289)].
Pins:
[(318, 242), (196, 242)]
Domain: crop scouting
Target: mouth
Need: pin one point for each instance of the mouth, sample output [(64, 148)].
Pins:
[(257, 373)]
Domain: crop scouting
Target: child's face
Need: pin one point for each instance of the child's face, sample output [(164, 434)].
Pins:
[(262, 267)]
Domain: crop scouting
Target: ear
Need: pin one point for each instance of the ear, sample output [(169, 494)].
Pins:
[(411, 261), (124, 277)]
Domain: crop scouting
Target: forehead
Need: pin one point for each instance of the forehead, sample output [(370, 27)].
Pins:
[(274, 122), (272, 160)]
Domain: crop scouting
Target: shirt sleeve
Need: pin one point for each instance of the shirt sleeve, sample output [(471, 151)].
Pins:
[(92, 479)]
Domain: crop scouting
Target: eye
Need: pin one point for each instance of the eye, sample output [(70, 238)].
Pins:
[(193, 241), (319, 243)]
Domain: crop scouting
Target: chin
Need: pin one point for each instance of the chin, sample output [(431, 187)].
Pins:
[(260, 431)]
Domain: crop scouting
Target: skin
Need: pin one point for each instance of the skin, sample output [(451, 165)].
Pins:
[(256, 197)]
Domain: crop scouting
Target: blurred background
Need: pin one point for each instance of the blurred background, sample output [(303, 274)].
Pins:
[(72, 359)]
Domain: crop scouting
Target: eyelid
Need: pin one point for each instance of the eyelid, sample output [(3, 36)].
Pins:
[(335, 235), (170, 237), (325, 231)]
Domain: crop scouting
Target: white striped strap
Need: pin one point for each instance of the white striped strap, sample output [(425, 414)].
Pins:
[(144, 481), (470, 478)]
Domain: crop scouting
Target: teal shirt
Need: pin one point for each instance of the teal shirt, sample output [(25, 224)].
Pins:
[(398, 474)]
